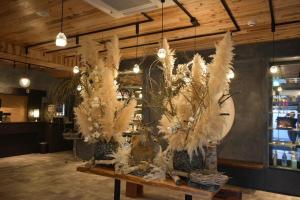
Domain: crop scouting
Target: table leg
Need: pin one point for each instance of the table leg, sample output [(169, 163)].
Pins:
[(188, 197), (117, 189), (75, 149), (134, 190)]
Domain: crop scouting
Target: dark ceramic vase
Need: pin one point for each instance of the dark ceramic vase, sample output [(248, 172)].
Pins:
[(182, 161), (103, 149)]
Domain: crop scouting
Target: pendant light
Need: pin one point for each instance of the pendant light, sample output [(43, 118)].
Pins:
[(24, 81), (162, 52), (61, 39), (76, 69), (274, 68), (136, 67)]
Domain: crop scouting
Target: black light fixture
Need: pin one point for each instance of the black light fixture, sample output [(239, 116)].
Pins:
[(61, 39), (162, 52), (136, 67)]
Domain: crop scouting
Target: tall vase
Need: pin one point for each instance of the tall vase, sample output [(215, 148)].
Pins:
[(211, 159), (103, 149), (183, 162)]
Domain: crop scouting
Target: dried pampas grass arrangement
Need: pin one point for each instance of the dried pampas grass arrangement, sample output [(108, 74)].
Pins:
[(192, 117), (100, 116)]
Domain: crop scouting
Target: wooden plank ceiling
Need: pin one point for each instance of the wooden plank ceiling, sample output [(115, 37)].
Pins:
[(21, 25)]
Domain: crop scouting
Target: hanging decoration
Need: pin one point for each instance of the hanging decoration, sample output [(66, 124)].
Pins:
[(100, 116), (194, 99)]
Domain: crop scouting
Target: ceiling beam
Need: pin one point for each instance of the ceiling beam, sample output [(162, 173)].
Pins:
[(33, 61)]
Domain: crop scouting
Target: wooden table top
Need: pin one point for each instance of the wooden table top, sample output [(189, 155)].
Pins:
[(168, 183)]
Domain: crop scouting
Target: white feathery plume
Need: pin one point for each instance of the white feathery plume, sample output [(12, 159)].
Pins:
[(124, 117), (168, 62), (113, 55), (100, 115), (197, 119), (220, 67), (121, 158)]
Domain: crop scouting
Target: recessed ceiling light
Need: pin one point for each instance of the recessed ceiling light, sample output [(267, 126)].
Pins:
[(251, 23), (42, 13)]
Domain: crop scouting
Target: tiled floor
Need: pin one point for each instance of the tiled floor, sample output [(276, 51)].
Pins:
[(54, 177)]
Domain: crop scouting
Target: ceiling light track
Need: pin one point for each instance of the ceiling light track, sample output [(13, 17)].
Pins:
[(154, 32), (228, 11), (148, 19), (226, 8), (273, 20), (233, 20), (193, 19), (26, 63), (63, 49), (175, 40)]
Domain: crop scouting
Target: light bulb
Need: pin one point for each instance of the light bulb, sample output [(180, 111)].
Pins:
[(61, 40), (24, 82), (140, 95), (36, 113), (136, 68), (274, 69), (79, 88), (279, 89), (161, 53), (230, 74), (76, 69)]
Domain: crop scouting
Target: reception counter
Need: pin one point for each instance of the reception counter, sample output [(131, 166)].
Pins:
[(17, 138)]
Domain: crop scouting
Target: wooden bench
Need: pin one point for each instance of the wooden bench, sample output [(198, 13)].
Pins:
[(138, 182), (227, 193), (240, 164)]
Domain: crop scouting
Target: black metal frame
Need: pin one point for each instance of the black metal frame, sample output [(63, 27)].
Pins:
[(148, 19), (25, 63), (193, 20), (228, 11), (273, 21)]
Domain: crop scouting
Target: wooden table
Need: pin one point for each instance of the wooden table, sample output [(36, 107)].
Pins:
[(168, 183)]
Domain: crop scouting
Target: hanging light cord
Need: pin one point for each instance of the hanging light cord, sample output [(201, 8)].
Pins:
[(162, 20), (137, 41), (273, 49), (26, 66), (62, 16)]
